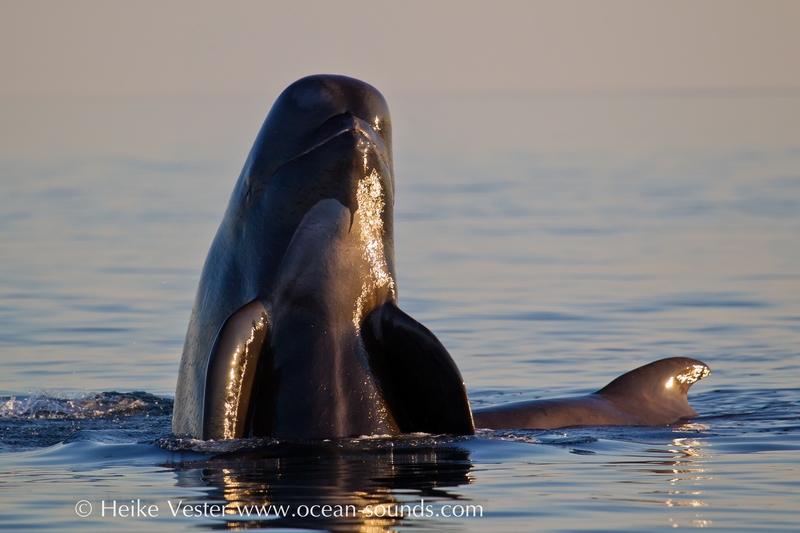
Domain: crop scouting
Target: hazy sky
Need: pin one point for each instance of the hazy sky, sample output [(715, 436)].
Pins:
[(190, 46)]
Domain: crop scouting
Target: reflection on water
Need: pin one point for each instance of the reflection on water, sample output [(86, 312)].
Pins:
[(685, 466), (373, 486)]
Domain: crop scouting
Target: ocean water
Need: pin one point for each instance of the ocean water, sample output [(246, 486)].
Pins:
[(551, 243)]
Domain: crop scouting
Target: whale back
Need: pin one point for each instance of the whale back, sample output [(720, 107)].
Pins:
[(651, 395)]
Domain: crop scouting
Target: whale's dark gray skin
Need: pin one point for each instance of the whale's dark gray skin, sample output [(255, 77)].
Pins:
[(295, 330), (651, 395)]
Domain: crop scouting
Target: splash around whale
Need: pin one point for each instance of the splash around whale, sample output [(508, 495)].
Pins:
[(295, 330)]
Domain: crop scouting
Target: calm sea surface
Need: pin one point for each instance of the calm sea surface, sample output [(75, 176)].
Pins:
[(551, 243)]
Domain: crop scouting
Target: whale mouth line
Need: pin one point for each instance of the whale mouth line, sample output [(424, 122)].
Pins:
[(337, 126)]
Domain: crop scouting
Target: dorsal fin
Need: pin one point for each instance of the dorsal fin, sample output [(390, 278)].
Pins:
[(657, 391)]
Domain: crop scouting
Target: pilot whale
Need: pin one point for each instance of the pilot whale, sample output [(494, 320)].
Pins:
[(295, 331)]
